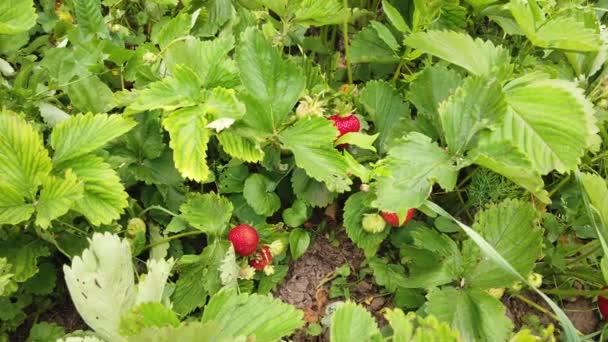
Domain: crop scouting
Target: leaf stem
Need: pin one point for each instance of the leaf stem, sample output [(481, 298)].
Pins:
[(159, 208), (173, 237), (559, 185), (349, 70), (536, 306)]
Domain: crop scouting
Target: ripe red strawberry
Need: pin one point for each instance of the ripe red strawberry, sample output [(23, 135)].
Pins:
[(346, 124), (244, 238), (602, 303), (262, 258), (393, 220)]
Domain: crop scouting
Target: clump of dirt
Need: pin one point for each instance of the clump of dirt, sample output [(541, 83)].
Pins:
[(582, 312)]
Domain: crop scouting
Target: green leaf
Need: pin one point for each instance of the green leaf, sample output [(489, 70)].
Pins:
[(319, 12), (177, 27), (57, 197), (432, 86), (22, 251), (240, 147), (207, 58), (474, 55), (147, 315), (102, 285), (394, 17), (104, 196), (259, 194), (273, 84), (43, 282), (358, 139), (550, 121), (297, 214), (368, 47), (391, 276), (477, 105), (351, 322), (17, 16), (7, 283), (234, 312), (299, 240), (189, 139), (310, 190), (88, 15), (232, 178), (597, 190), (311, 141), (23, 158), (222, 103), (407, 175), (13, 208), (477, 315), (354, 209), (82, 134), (90, 94), (45, 332), (208, 212), (509, 161), (563, 32), (509, 227), (187, 331), (180, 90), (387, 111)]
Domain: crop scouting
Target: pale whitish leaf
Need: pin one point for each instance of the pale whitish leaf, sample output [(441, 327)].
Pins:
[(240, 147), (477, 315), (6, 69), (320, 12), (259, 194), (57, 197), (23, 157), (356, 206), (551, 121), (506, 159), (51, 114), (273, 84), (188, 331), (351, 322), (509, 227), (102, 286), (229, 269), (556, 33), (474, 55), (82, 134), (597, 190), (310, 190), (311, 141), (387, 110), (22, 252), (208, 59), (208, 212), (13, 208), (394, 17), (368, 47), (182, 89), (489, 251), (477, 105), (161, 246), (220, 124), (178, 26), (358, 139), (88, 16), (16, 16), (189, 139), (234, 312), (405, 178), (222, 103), (90, 94), (104, 196), (145, 316)]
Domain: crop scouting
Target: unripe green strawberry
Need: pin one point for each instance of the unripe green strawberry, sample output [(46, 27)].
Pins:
[(244, 238), (136, 226), (373, 223)]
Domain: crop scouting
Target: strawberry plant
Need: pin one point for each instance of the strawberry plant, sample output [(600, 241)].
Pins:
[(251, 169)]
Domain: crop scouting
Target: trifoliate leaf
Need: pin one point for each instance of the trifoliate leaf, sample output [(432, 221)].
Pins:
[(189, 138), (233, 313), (407, 175), (208, 212), (273, 84), (311, 141), (57, 197), (352, 322), (356, 206), (477, 315), (259, 194)]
